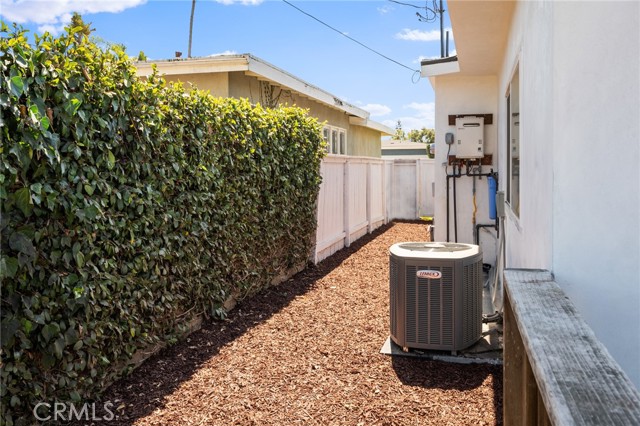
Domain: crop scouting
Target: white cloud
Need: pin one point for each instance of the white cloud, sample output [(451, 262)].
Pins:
[(53, 11), (242, 2), (418, 35), (423, 116), (422, 108), (226, 52), (53, 15), (376, 110), (53, 29), (385, 9)]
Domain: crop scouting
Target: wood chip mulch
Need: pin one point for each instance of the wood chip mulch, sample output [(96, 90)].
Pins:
[(307, 352)]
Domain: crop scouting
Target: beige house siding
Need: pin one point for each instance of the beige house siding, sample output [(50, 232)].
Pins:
[(245, 86), (217, 84), (362, 141)]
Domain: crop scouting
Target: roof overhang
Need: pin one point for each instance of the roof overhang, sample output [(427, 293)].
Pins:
[(251, 66), (222, 63), (481, 28), (365, 122), (435, 67)]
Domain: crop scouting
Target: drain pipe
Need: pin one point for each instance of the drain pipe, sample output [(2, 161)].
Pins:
[(475, 205), (455, 210), (484, 225), (456, 174), (448, 177)]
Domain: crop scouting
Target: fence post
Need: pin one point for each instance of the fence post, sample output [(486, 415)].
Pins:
[(384, 192), (418, 187), (347, 224), (369, 185)]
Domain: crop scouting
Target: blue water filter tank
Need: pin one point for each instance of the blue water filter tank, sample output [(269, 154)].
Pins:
[(493, 187)]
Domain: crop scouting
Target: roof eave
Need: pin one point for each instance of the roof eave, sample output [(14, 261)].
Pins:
[(435, 68), (283, 78), (227, 63), (481, 29), (370, 124), (252, 66)]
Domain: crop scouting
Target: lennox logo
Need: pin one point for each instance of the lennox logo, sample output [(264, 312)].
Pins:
[(429, 274)]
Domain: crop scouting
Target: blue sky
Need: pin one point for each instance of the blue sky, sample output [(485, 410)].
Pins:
[(277, 33)]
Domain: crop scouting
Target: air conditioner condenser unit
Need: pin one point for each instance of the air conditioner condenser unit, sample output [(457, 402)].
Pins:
[(435, 295)]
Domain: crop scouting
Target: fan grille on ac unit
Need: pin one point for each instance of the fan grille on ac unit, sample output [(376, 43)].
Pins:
[(473, 309), (443, 312), (393, 275), (429, 302)]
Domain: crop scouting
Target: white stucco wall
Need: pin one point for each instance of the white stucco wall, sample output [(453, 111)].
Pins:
[(529, 47), (456, 94), (579, 70), (596, 160), (579, 138)]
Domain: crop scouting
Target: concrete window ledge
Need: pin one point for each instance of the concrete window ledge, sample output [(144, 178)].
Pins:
[(555, 370)]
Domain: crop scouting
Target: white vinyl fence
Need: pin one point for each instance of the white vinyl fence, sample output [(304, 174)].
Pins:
[(359, 194)]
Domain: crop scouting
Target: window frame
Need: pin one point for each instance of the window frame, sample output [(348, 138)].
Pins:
[(335, 139), (326, 135), (514, 140)]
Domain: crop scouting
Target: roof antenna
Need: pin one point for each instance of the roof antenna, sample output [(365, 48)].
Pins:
[(447, 46), (441, 11), (193, 8)]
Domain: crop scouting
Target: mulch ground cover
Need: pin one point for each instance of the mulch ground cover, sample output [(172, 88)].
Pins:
[(307, 352)]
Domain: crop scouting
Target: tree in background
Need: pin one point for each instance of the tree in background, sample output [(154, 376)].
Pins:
[(423, 135), (399, 135)]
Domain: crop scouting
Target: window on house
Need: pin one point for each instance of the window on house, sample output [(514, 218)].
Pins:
[(325, 135), (513, 145), (336, 139)]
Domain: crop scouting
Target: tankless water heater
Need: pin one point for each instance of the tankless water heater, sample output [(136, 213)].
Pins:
[(470, 137)]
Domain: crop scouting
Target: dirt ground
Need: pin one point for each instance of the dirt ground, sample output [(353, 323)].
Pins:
[(307, 352)]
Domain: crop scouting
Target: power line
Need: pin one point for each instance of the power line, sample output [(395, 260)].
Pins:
[(432, 12), (350, 38), (431, 16), (407, 4)]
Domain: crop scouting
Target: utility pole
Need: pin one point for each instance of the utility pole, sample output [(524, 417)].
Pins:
[(430, 16), (193, 8)]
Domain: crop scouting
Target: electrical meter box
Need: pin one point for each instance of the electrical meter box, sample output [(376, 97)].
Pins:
[(470, 137)]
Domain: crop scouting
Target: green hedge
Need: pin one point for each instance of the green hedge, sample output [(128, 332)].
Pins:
[(129, 206)]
